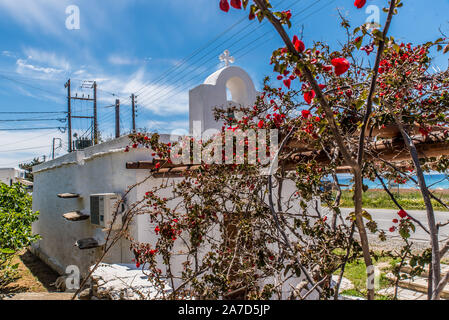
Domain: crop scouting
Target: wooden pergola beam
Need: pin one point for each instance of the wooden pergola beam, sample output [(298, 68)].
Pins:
[(392, 149)]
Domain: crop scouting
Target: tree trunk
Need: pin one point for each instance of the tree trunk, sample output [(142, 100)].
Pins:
[(358, 203), (435, 269)]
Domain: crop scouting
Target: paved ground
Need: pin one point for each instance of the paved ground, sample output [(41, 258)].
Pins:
[(39, 296), (404, 294)]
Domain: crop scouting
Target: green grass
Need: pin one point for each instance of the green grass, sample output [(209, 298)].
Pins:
[(377, 199), (356, 273)]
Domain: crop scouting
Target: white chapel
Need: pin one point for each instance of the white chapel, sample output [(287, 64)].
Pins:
[(226, 87), (76, 192)]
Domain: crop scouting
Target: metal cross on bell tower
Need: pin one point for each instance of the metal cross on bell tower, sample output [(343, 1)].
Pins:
[(226, 58)]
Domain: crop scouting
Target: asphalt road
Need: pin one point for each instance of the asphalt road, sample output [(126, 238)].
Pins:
[(384, 218)]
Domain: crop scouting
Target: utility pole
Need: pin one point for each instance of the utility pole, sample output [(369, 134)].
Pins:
[(95, 114), (69, 115), (94, 135), (53, 147), (117, 118), (133, 99)]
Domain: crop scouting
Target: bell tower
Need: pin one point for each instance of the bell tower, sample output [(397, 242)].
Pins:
[(226, 87)]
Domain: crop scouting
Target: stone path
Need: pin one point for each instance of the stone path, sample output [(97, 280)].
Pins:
[(416, 288), (403, 294)]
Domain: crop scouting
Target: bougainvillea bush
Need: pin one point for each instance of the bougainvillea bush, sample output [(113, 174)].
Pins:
[(240, 233), (16, 217)]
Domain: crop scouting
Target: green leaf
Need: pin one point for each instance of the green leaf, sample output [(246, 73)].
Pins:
[(7, 251), (396, 47), (366, 215), (378, 34), (358, 44)]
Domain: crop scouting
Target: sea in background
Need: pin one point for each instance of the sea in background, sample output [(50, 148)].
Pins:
[(433, 181)]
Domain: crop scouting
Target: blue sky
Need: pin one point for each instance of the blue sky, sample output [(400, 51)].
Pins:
[(142, 46)]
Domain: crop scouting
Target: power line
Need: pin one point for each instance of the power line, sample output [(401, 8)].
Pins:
[(193, 54), (20, 161), (26, 140), (22, 120), (167, 82), (32, 112), (179, 89), (184, 61), (26, 84), (312, 13), (163, 94), (24, 149), (29, 129)]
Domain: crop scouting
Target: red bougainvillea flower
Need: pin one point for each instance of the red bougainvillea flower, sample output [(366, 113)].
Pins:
[(137, 265), (341, 65), (157, 229), (327, 68), (157, 166), (359, 3), (395, 221), (402, 214), (423, 131), (287, 14), (305, 114), (224, 5), (299, 45), (368, 49), (287, 83), (261, 124), (237, 4), (392, 229), (308, 96)]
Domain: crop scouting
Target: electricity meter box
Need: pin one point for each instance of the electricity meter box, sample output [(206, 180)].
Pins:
[(102, 209)]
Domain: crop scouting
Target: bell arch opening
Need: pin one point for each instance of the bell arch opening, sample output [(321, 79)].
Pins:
[(237, 91)]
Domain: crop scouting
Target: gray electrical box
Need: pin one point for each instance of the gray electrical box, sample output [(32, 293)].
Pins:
[(102, 209)]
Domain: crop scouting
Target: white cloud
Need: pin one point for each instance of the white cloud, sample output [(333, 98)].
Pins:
[(177, 127), (120, 60), (47, 58), (125, 86), (22, 146), (42, 64), (8, 54), (22, 64), (48, 16)]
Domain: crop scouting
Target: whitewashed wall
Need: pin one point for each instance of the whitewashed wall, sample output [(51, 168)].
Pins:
[(10, 175), (98, 169)]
